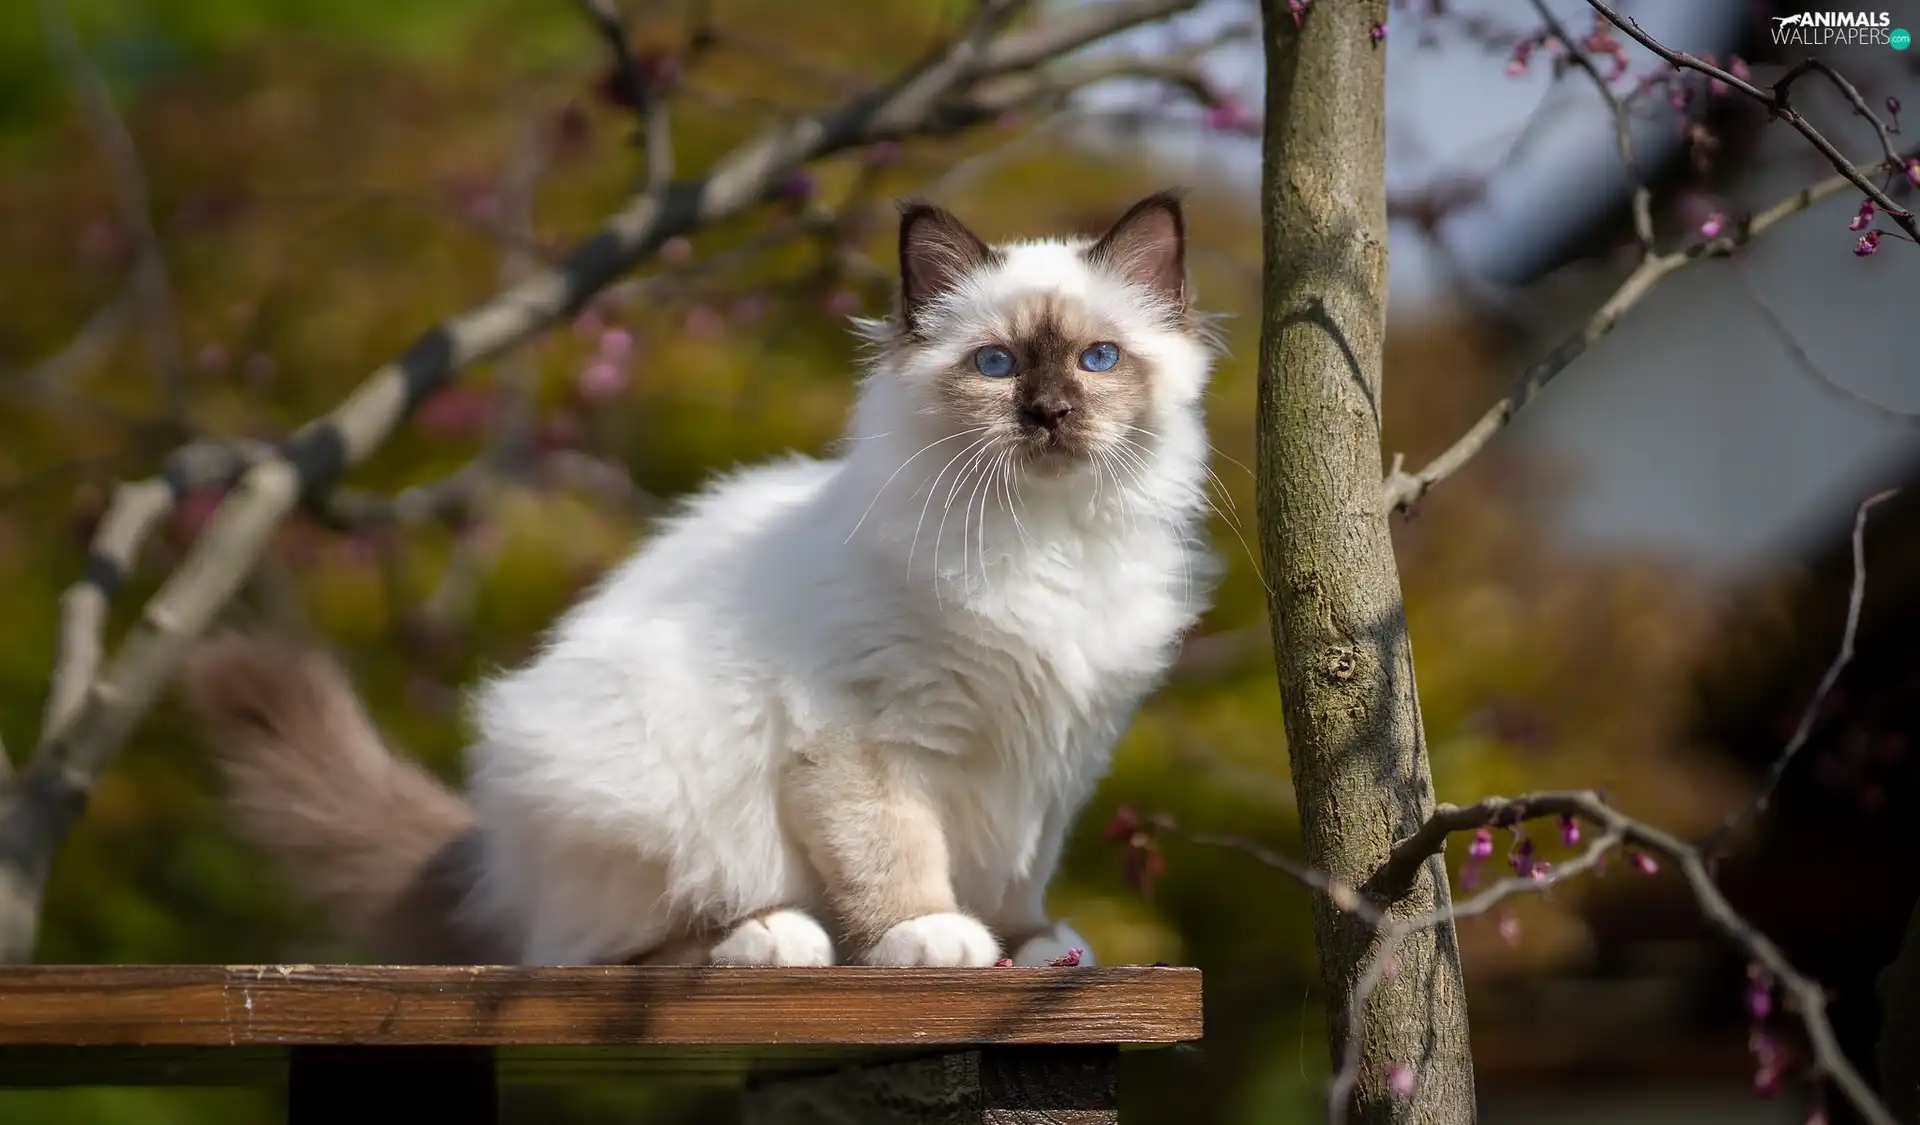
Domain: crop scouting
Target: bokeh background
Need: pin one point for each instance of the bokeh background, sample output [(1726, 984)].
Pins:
[(1636, 588)]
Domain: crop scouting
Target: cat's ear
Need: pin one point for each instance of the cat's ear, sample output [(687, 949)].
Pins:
[(936, 252), (1148, 246)]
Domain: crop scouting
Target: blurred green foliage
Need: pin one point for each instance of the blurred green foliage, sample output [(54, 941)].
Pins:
[(326, 178)]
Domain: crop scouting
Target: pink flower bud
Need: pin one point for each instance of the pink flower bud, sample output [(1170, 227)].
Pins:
[(1913, 171), (601, 380), (1228, 115), (1377, 32), (1868, 244), (1400, 1079), (1713, 226), (1569, 830), (1893, 105), (843, 302), (1759, 992), (1643, 863), (1863, 218), (1068, 960), (616, 344), (1521, 858), (1482, 845), (1003, 963)]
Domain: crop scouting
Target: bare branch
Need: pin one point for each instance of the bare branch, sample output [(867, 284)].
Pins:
[(1804, 993), (1402, 490), (1776, 101), (1804, 361), (1804, 729), (149, 281), (1622, 125)]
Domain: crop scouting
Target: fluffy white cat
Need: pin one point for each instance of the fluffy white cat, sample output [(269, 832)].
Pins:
[(834, 710)]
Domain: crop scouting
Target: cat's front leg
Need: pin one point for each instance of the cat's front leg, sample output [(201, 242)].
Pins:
[(1035, 938), (874, 835)]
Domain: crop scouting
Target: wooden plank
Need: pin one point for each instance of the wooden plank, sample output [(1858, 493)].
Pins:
[(221, 1006)]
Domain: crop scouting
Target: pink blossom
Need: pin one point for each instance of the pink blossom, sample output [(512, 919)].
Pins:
[(677, 250), (1003, 963), (1714, 225), (1521, 858), (1643, 863), (1867, 244), (1299, 10), (1569, 830), (1482, 844), (1509, 928), (616, 344), (454, 412), (1863, 218), (1401, 1080), (1913, 171), (799, 184), (1068, 960), (1377, 32), (843, 302), (1759, 992), (1228, 115), (601, 380)]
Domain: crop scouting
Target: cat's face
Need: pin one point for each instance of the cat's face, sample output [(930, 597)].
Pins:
[(1060, 352)]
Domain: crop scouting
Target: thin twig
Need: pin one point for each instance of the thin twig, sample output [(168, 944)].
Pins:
[(1804, 361), (1804, 993), (1622, 126), (1856, 597), (1775, 100), (132, 199), (1402, 490)]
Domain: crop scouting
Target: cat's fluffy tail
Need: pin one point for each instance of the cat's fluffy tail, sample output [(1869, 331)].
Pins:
[(376, 841)]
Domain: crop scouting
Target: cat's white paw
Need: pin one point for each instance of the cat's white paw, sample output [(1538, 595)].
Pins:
[(1052, 944), (783, 937), (940, 940)]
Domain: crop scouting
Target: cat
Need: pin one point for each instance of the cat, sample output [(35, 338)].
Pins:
[(833, 710)]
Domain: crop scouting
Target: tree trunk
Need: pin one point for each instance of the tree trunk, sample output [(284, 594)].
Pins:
[(1339, 625)]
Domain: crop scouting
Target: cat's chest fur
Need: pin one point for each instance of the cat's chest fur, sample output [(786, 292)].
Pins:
[(1034, 660)]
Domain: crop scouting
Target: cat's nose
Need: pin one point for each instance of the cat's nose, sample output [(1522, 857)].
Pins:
[(1046, 412)]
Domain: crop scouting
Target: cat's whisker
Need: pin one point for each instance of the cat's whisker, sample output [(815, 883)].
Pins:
[(898, 471), (946, 509), (932, 487), (1124, 453)]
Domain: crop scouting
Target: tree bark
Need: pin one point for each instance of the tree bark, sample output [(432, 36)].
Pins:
[(1339, 624)]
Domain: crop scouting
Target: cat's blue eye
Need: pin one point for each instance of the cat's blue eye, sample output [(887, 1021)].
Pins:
[(994, 363), (1100, 357)]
